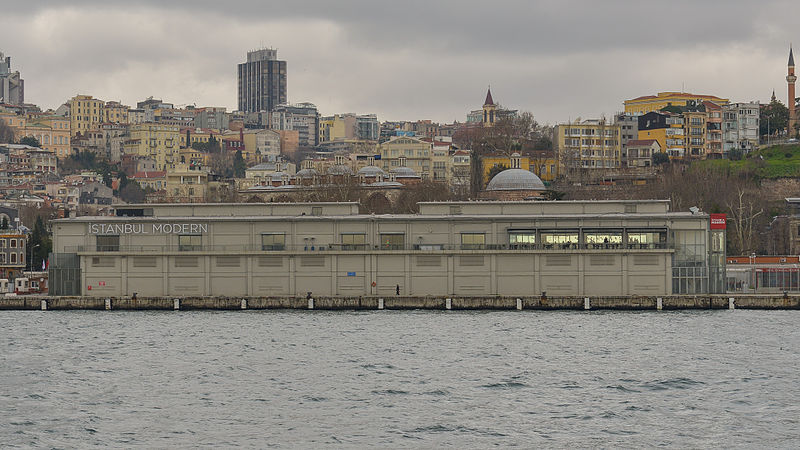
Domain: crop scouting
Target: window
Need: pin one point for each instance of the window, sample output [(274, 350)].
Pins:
[(561, 239), (599, 239), (13, 243), (392, 241), (190, 242), (521, 239), (13, 258), (273, 241), (647, 238), (108, 243), (353, 241), (473, 241)]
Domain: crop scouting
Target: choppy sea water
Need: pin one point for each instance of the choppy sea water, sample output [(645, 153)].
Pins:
[(400, 379)]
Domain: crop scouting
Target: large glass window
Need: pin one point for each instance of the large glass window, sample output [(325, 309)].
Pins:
[(602, 238), (108, 243), (647, 238), (354, 241), (392, 241), (521, 239), (190, 242), (473, 241), (561, 239), (273, 241)]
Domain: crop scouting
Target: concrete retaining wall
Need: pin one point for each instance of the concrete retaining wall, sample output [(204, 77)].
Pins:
[(674, 302)]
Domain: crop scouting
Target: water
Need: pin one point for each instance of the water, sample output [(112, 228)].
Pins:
[(400, 379)]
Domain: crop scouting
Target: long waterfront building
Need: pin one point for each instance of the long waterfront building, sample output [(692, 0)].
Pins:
[(592, 248)]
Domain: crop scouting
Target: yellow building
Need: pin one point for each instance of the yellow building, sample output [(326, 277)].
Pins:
[(648, 103), (407, 152), (590, 144), (694, 130), (666, 128), (85, 114), (184, 184), (156, 141), (115, 112), (544, 166), (52, 132)]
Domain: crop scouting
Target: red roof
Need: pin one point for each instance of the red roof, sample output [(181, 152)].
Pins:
[(154, 174)]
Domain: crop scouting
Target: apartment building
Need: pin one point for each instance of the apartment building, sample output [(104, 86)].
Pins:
[(589, 144)]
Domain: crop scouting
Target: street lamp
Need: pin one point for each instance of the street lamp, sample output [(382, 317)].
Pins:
[(30, 261)]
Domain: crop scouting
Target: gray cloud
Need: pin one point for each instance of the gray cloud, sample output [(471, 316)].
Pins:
[(404, 60)]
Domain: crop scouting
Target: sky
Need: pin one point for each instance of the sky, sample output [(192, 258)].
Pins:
[(405, 60)]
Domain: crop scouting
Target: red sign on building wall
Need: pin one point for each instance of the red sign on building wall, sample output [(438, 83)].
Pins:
[(717, 221)]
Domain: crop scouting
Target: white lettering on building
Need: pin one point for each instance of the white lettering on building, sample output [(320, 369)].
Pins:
[(142, 228)]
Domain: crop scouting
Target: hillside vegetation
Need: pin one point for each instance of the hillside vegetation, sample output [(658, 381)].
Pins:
[(777, 161)]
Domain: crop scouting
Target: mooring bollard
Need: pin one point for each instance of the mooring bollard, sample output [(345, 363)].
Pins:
[(519, 304), (659, 304), (44, 305), (244, 303), (310, 303), (380, 303), (731, 303), (448, 303), (108, 304), (586, 304), (176, 304)]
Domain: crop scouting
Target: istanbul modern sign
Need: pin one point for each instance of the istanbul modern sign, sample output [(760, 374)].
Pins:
[(148, 228)]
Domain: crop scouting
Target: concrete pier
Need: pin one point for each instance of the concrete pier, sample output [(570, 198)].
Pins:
[(535, 303)]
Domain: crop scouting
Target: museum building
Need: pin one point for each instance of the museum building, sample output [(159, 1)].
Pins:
[(482, 248)]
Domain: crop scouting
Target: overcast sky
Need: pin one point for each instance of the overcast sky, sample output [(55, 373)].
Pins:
[(405, 60)]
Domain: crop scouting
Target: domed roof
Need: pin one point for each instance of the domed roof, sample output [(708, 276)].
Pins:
[(339, 169), (278, 176), (404, 172), (307, 173), (371, 171), (515, 180)]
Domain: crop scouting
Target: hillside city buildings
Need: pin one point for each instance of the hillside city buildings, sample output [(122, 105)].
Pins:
[(12, 87)]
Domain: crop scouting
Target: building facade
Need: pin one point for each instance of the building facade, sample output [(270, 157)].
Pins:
[(12, 87), (262, 81), (740, 124), (329, 249), (649, 103), (590, 144), (85, 114)]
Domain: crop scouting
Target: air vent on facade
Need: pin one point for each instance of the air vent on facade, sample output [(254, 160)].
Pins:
[(471, 261), (270, 261), (558, 260), (601, 260), (312, 261), (645, 260), (228, 261), (429, 261), (186, 261), (145, 261)]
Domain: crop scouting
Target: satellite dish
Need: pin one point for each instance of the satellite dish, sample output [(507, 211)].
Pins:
[(694, 209)]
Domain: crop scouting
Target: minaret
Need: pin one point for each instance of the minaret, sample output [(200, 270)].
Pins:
[(490, 109), (791, 78)]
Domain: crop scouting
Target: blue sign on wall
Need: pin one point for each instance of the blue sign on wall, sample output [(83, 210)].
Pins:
[(351, 274)]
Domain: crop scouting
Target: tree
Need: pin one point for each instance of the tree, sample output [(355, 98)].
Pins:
[(6, 133), (132, 193), (239, 165), (39, 244), (773, 118), (30, 140), (4, 223), (660, 158), (494, 171)]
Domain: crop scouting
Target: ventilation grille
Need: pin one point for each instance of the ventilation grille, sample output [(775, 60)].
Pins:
[(186, 261), (558, 260), (471, 261), (102, 261), (645, 260), (312, 261), (602, 260), (429, 261), (144, 261), (229, 261), (270, 261)]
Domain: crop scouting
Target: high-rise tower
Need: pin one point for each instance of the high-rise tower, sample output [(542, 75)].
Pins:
[(791, 78), (12, 87), (262, 81)]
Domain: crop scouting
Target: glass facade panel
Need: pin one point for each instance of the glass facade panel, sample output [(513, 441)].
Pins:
[(647, 238), (473, 241), (190, 242), (108, 243), (354, 241), (602, 239), (562, 239), (392, 241), (273, 241), (522, 239)]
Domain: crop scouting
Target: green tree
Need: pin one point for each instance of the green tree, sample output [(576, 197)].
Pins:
[(4, 224), (494, 171), (239, 165), (660, 158), (30, 140), (132, 193), (39, 244), (774, 117)]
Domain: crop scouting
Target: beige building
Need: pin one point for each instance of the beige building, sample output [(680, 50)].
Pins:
[(588, 144), (408, 152), (157, 141), (592, 248), (85, 114)]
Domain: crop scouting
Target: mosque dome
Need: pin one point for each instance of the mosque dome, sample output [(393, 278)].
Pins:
[(339, 169), (371, 171), (307, 173), (515, 180)]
